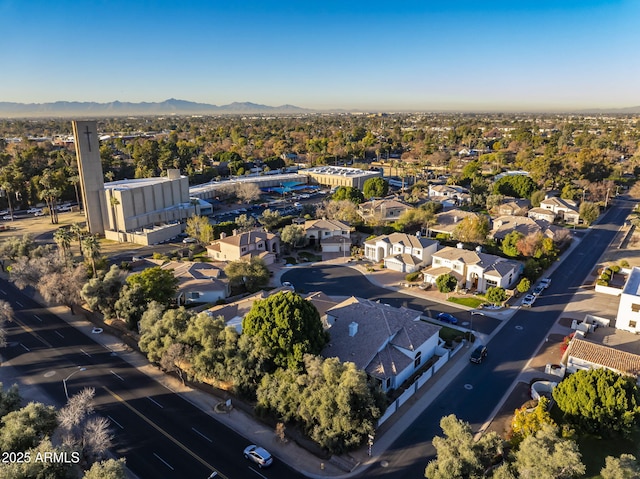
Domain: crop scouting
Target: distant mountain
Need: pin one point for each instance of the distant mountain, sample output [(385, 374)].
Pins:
[(118, 108), (631, 110)]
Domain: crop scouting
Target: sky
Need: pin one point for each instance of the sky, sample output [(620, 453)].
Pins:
[(424, 55)]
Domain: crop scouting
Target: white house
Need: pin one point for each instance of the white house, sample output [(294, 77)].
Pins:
[(449, 195), (198, 282), (389, 343), (401, 252), (566, 210), (473, 269), (628, 318), (333, 236)]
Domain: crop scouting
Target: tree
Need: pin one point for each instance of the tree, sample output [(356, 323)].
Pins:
[(101, 293), (599, 401), (589, 212), (510, 243), (157, 284), (9, 400), (536, 197), (245, 223), (527, 422), (348, 193), (623, 467), (496, 295), (198, 227), (459, 456), (252, 274), (91, 248), (173, 358), (289, 325), (63, 286), (247, 192), (293, 235), (270, 219), (523, 285), (62, 237), (520, 186), (160, 329), (26, 427), (546, 454), (446, 283), (343, 210), (375, 188), (472, 229), (131, 305), (109, 469)]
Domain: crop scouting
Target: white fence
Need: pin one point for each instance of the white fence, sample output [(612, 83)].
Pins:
[(421, 381)]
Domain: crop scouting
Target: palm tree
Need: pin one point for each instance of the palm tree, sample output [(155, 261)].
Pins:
[(76, 230), (91, 246), (74, 180), (62, 237), (115, 202)]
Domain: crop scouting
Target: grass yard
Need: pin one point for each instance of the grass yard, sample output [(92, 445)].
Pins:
[(471, 302), (595, 449)]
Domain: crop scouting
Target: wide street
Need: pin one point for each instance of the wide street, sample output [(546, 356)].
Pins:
[(474, 393), (159, 433)]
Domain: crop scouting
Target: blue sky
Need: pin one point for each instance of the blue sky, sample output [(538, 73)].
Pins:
[(482, 55)]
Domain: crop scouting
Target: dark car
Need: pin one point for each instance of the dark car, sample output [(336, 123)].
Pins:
[(478, 354), (448, 318)]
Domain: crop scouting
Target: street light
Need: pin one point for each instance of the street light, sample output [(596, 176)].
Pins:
[(64, 381)]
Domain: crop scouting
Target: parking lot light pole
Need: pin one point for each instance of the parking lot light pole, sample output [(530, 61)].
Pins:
[(64, 381)]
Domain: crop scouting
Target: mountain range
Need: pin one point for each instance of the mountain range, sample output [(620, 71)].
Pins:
[(118, 108)]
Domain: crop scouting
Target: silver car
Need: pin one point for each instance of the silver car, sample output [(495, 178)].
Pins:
[(258, 455)]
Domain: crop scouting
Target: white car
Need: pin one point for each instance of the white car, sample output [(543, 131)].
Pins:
[(528, 300), (189, 240), (31, 211), (545, 282), (39, 213), (287, 284), (258, 455)]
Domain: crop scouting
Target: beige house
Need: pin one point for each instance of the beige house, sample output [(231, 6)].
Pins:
[(333, 236), (449, 195), (382, 210), (244, 246), (502, 226), (564, 210), (199, 282), (389, 343), (541, 214), (473, 269), (447, 221), (513, 207), (400, 251)]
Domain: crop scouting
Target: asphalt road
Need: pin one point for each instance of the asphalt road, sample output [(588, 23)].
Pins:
[(159, 433)]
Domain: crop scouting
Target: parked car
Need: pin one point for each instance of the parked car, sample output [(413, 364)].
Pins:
[(289, 285), (545, 282), (538, 290), (39, 213), (6, 217), (528, 300), (31, 211), (478, 354), (447, 318), (258, 455), (189, 240)]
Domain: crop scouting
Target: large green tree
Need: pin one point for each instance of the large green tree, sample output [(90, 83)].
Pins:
[(624, 467), (600, 401), (348, 193), (446, 283), (375, 188), (157, 284), (289, 325), (520, 186), (198, 227)]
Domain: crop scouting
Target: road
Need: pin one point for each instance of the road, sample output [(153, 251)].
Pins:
[(159, 433)]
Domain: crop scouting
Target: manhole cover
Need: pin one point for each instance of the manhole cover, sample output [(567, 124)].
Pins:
[(465, 323), (96, 330), (519, 328), (384, 463), (468, 387), (48, 374)]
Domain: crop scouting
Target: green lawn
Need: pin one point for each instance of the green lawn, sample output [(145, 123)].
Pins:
[(472, 302)]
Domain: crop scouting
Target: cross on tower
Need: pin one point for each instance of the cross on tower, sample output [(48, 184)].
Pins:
[(88, 133)]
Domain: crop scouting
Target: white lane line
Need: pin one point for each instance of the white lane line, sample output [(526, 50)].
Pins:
[(265, 477), (116, 375), (200, 434), (37, 317), (85, 353), (115, 422), (25, 347), (169, 465), (59, 334), (3, 292), (20, 304), (155, 402)]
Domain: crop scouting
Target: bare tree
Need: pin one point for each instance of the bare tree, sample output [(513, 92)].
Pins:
[(247, 192), (96, 438), (6, 314), (172, 358)]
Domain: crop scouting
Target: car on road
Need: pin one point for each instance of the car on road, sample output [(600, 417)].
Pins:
[(31, 211), (545, 282), (447, 318), (39, 213), (258, 455), (189, 240), (289, 285), (538, 290), (528, 300), (6, 217), (475, 312), (478, 354)]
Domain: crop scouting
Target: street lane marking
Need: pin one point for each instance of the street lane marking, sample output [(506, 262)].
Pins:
[(88, 355), (200, 434), (265, 477), (116, 375), (155, 402), (165, 462), (31, 331), (165, 433), (59, 334), (115, 422), (25, 347), (3, 292), (37, 317), (20, 304)]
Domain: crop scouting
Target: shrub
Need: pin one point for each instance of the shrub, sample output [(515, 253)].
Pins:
[(412, 277), (624, 263)]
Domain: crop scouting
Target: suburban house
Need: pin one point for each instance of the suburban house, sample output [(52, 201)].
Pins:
[(449, 195), (565, 210), (513, 207), (502, 226), (541, 214), (332, 236), (244, 246), (382, 210), (628, 318), (199, 282), (583, 354), (447, 221), (473, 269), (401, 252), (389, 343)]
